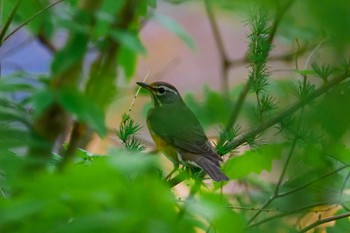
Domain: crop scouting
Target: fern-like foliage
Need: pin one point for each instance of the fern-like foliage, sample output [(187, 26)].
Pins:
[(127, 130)]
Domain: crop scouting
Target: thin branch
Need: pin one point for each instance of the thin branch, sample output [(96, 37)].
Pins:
[(245, 91), (312, 182), (275, 194), (298, 210), (325, 220), (8, 22), (287, 57), (279, 195), (31, 18), (287, 111), (344, 184), (177, 179), (304, 209), (225, 62)]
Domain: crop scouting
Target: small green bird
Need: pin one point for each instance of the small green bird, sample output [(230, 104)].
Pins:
[(178, 133)]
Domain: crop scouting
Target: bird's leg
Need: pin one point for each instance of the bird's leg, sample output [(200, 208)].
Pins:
[(176, 167)]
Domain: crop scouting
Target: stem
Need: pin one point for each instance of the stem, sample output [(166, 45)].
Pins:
[(30, 19), (244, 92), (8, 21), (325, 220), (312, 182), (280, 215), (225, 63), (76, 136), (279, 195), (287, 111)]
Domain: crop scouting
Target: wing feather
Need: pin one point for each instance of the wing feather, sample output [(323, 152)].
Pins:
[(178, 126)]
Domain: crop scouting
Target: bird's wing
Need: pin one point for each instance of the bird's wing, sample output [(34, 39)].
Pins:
[(179, 127)]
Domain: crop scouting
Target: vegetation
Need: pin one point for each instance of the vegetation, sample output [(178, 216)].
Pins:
[(294, 127)]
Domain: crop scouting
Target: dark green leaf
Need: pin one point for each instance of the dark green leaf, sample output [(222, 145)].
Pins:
[(41, 100), (129, 40)]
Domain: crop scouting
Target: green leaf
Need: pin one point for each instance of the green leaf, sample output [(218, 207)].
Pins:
[(254, 161), (340, 226), (176, 28), (127, 59), (41, 100), (8, 86), (83, 108), (129, 40), (70, 55), (340, 152)]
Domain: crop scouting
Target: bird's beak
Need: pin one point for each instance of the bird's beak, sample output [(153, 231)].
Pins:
[(145, 85)]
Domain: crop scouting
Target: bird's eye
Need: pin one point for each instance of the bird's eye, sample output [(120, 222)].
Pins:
[(161, 91)]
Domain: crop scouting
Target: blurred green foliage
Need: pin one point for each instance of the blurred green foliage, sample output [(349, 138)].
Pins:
[(124, 191)]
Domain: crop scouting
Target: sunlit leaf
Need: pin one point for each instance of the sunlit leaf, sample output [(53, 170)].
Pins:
[(253, 161)]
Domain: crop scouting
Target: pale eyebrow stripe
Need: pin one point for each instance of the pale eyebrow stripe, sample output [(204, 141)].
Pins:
[(168, 89)]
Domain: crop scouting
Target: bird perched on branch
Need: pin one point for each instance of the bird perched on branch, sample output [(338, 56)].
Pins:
[(178, 133)]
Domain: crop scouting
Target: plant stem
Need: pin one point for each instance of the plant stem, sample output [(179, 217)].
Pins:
[(8, 22), (225, 62), (287, 111), (325, 220), (245, 91), (30, 19)]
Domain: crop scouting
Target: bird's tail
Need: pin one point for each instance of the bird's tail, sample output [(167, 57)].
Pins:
[(212, 169)]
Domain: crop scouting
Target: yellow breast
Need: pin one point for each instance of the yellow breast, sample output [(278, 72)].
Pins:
[(168, 150)]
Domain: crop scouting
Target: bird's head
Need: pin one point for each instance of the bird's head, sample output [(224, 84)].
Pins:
[(162, 93)]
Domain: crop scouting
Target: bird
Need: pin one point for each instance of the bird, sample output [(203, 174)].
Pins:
[(177, 132)]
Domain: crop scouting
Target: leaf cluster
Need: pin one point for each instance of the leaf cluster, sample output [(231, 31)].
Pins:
[(127, 130)]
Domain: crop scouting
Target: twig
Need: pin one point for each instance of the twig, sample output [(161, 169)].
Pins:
[(312, 182), (245, 91), (325, 220), (30, 19), (279, 195), (8, 22), (177, 179), (275, 194), (137, 93), (298, 210), (225, 62), (287, 111)]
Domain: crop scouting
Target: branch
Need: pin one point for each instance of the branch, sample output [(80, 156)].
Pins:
[(225, 62), (278, 195), (325, 220), (177, 179), (30, 19), (302, 209), (312, 182), (8, 22), (244, 92), (287, 111)]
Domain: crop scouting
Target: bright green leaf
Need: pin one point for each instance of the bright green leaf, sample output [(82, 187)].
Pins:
[(253, 161)]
